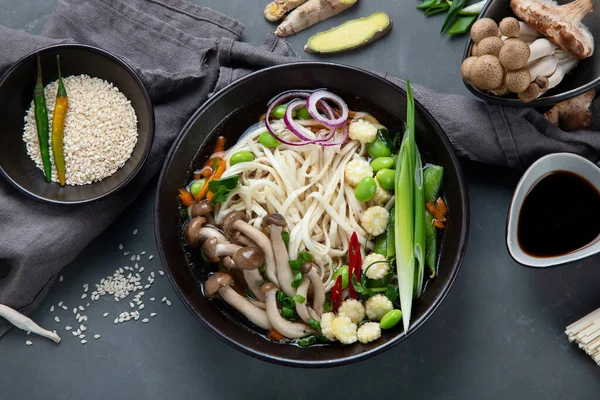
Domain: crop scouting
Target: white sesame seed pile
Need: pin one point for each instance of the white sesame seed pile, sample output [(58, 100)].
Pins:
[(124, 284), (100, 129)]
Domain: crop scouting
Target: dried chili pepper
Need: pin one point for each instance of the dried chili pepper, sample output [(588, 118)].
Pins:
[(58, 126), (41, 121)]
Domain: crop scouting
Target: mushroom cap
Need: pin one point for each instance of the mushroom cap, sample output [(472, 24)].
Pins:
[(465, 69), (482, 28), (191, 229), (275, 219), (306, 267), (267, 287), (530, 94), (510, 27), (228, 263), (501, 91), (542, 82), (202, 208), (209, 249), (490, 45), (216, 282), (487, 73), (231, 219), (517, 81), (241, 239), (474, 52), (248, 258), (514, 54)]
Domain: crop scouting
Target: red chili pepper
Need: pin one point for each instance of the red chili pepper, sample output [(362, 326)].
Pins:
[(336, 294), (355, 264)]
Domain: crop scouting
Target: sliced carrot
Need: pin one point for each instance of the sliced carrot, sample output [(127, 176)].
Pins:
[(441, 205), (220, 146), (438, 224), (216, 175), (206, 171), (197, 175), (276, 336), (437, 214), (186, 197)]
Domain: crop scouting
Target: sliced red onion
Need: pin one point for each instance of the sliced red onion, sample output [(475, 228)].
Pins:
[(322, 95), (292, 125)]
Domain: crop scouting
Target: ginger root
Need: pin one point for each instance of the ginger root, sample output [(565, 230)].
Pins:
[(276, 9), (573, 114), (310, 13)]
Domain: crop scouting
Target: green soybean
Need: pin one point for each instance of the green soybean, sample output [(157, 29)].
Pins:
[(240, 157), (279, 112), (196, 186), (365, 190), (386, 178), (343, 271), (268, 140), (378, 149), (303, 113), (390, 319), (382, 162)]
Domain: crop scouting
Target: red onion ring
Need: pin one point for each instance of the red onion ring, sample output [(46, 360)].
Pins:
[(321, 96)]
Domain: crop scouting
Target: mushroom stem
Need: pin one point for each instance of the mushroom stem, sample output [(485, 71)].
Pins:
[(561, 70), (254, 279), (254, 314), (258, 303), (543, 67), (282, 258), (302, 308), (541, 48), (241, 239), (22, 322), (292, 330), (310, 269)]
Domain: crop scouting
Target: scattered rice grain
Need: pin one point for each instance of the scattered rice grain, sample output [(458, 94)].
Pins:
[(29, 343)]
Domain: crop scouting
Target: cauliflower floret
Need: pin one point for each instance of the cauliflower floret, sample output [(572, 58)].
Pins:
[(381, 196), (357, 169), (378, 270), (377, 306), (344, 330), (368, 332), (327, 325), (363, 131), (374, 220), (352, 309)]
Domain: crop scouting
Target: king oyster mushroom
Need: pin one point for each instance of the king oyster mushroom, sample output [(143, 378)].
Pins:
[(242, 257), (573, 114), (277, 222), (559, 23), (219, 283), (292, 330), (235, 221)]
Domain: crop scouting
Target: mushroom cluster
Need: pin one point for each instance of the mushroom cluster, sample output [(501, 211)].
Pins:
[(511, 57), (241, 249)]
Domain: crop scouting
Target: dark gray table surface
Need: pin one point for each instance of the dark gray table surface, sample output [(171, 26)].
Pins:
[(498, 335)]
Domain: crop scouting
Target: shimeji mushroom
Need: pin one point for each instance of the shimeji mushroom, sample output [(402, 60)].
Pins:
[(252, 277), (22, 322), (490, 45), (235, 221), (559, 23), (243, 240), (573, 114), (517, 81), (483, 28), (487, 73), (509, 27), (530, 94), (292, 330), (203, 209), (219, 283), (242, 257), (514, 54), (196, 233), (310, 270), (465, 69), (305, 312), (276, 223)]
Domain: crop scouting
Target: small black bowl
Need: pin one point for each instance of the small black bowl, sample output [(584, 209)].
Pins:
[(230, 112), (16, 94), (585, 76)]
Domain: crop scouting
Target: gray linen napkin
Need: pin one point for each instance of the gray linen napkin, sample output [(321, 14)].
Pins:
[(184, 53)]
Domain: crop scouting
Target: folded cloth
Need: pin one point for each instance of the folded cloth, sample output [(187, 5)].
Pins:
[(183, 53)]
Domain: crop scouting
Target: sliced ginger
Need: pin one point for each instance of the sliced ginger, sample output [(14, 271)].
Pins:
[(350, 35)]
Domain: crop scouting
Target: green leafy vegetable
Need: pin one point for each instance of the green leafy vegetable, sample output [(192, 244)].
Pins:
[(221, 188), (462, 25)]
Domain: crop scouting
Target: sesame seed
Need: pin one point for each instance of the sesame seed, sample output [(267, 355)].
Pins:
[(145, 320), (150, 257), (75, 333), (141, 269), (135, 231), (61, 278), (83, 296), (152, 298), (168, 303), (83, 341), (153, 314), (75, 311), (96, 336), (82, 328), (161, 272), (105, 315), (57, 319), (138, 258), (29, 343), (116, 320), (68, 328), (164, 299), (52, 308), (147, 286), (60, 303), (120, 247), (132, 258), (81, 336), (82, 308), (152, 274), (141, 307), (142, 253), (131, 305), (126, 253), (29, 332)]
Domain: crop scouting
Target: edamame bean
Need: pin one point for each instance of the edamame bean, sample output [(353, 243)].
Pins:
[(386, 178), (279, 111), (268, 140), (365, 190), (382, 162), (343, 271), (196, 186), (390, 319), (303, 113), (241, 156), (378, 149)]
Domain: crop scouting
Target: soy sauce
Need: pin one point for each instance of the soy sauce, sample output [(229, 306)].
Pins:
[(559, 215)]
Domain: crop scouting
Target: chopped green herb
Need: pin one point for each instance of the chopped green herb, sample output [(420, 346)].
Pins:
[(303, 257), (297, 280), (263, 267), (299, 299), (221, 188), (307, 341), (314, 324), (250, 294), (286, 238), (288, 313)]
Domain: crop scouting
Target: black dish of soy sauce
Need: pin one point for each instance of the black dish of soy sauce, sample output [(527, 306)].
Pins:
[(559, 215)]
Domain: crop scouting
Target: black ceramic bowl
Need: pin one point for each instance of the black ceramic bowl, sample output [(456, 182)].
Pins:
[(16, 94), (230, 112), (585, 76)]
